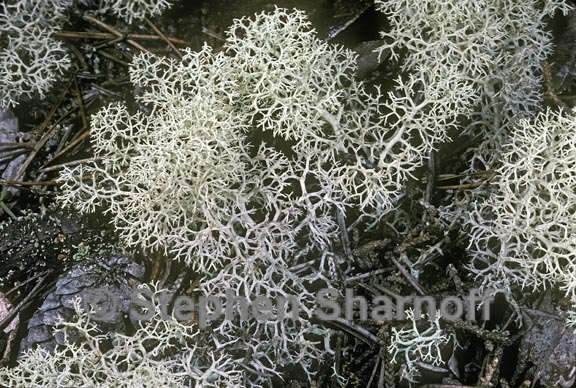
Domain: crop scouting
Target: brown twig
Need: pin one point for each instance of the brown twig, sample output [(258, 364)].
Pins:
[(85, 134), (79, 56), (108, 43), (431, 175), (109, 36), (164, 37), (15, 288), (112, 58), (408, 277), (80, 100), (447, 177), (12, 145), (549, 90), (12, 314), (6, 156), (69, 164), (40, 143), (16, 183), (83, 105), (465, 186), (109, 28)]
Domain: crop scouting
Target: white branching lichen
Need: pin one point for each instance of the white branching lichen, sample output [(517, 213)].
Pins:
[(335, 144), (31, 61), (183, 178), (414, 344), (160, 353), (521, 226), (245, 160), (524, 233), (133, 10), (28, 14), (497, 47), (248, 156), (188, 179)]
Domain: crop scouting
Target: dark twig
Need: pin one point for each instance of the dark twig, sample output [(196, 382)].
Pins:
[(65, 137), (373, 375), (70, 146), (166, 271), (79, 56), (15, 288), (490, 175), (164, 37), (431, 175), (15, 145), (112, 58), (382, 379), (467, 186), (446, 177), (344, 233), (368, 275), (81, 105), (40, 143), (12, 314), (16, 183), (357, 331), (338, 356), (549, 90), (68, 164), (335, 31), (108, 43), (408, 277), (6, 156), (109, 36), (109, 28)]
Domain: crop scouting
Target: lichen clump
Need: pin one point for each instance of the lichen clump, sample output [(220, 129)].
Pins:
[(160, 353), (191, 178), (524, 233), (31, 60), (250, 162), (495, 47)]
